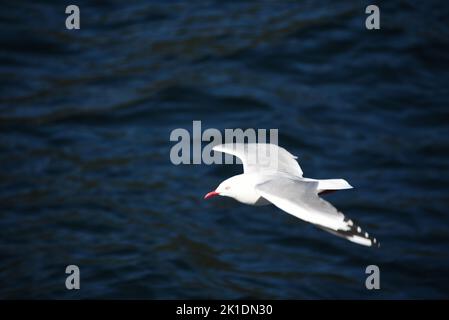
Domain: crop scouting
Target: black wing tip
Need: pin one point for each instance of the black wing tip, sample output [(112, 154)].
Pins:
[(354, 234), (356, 231)]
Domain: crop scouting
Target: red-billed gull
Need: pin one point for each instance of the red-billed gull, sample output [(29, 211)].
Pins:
[(272, 175)]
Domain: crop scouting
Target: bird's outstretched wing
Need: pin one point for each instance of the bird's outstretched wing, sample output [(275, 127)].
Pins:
[(300, 198), (260, 157)]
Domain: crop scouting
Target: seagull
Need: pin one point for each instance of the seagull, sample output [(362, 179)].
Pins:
[(271, 175)]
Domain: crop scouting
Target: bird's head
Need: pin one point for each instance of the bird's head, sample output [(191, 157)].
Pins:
[(228, 188)]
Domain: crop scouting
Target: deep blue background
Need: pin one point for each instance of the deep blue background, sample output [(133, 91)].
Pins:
[(86, 178)]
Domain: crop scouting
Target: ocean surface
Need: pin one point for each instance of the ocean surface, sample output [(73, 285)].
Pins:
[(85, 171)]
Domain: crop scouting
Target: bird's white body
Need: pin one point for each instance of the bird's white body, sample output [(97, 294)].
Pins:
[(273, 176), (244, 187)]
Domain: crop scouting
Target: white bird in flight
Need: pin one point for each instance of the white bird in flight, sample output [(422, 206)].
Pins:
[(271, 175)]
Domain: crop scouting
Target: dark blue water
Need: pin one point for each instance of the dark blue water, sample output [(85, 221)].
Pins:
[(86, 178)]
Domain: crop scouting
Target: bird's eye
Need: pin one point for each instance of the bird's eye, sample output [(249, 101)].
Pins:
[(227, 187)]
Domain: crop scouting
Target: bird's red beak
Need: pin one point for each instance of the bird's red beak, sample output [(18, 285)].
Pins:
[(211, 194)]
